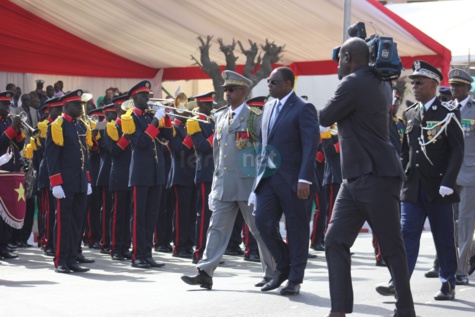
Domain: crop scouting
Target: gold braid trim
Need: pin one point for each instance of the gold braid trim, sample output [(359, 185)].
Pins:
[(88, 131), (192, 126), (112, 131), (29, 152), (57, 131), (33, 144), (43, 127)]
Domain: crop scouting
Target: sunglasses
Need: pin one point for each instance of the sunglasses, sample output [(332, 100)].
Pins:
[(230, 89), (274, 82), (417, 83)]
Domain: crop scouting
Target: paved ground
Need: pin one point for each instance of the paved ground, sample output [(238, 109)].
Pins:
[(30, 287)]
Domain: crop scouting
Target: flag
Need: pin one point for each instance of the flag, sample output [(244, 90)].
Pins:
[(12, 198)]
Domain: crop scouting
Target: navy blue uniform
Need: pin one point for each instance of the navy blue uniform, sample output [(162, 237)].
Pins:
[(93, 232), (120, 153), (203, 145), (68, 167), (103, 187), (146, 177), (181, 180)]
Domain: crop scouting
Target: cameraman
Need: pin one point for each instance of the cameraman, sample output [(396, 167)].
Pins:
[(372, 177)]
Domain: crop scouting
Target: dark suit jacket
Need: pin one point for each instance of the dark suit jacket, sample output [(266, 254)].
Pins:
[(446, 155), (360, 106), (105, 165), (295, 137), (183, 163), (120, 152)]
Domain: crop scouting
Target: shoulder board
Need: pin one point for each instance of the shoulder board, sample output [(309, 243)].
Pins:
[(256, 111), (222, 108), (449, 106)]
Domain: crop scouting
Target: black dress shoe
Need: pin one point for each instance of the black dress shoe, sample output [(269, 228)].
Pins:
[(234, 251), (7, 255), (49, 252), (461, 280), (263, 282), (252, 258), (62, 269), (127, 255), (183, 254), (83, 259), (202, 279), (311, 256), (22, 244), (278, 278), (141, 264), (290, 288), (380, 263), (106, 251), (446, 292), (77, 268), (164, 248), (433, 272), (117, 257), (153, 263), (385, 289), (96, 246)]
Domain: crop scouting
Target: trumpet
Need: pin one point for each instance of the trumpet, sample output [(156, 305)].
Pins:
[(180, 114), (25, 126)]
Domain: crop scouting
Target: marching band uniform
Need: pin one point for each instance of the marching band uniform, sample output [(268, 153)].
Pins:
[(200, 135), (181, 180), (66, 156), (120, 151), (146, 176)]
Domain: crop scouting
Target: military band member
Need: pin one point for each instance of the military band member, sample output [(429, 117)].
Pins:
[(67, 139), (232, 181), (147, 170), (181, 181), (47, 211), (200, 136), (120, 151), (11, 141)]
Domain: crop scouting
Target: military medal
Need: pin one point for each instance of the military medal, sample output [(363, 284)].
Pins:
[(242, 139)]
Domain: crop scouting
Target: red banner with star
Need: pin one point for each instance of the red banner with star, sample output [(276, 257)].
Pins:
[(12, 198)]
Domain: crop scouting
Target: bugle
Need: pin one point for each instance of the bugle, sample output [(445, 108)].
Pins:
[(155, 104), (25, 126)]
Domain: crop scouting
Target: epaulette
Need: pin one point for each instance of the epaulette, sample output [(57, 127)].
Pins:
[(449, 106), (112, 131), (193, 126), (127, 122), (88, 131), (222, 108), (43, 126), (256, 111), (28, 152), (57, 131)]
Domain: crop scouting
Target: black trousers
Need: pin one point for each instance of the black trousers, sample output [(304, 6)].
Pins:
[(202, 219), (374, 199), (70, 213), (183, 219), (146, 202), (93, 219), (120, 221), (106, 210), (163, 227)]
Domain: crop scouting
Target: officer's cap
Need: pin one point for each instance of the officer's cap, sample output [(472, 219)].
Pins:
[(118, 100), (6, 95), (74, 95), (40, 81), (206, 97), (459, 76), (53, 102), (234, 79), (444, 90), (257, 101), (108, 108), (97, 112), (143, 86), (425, 69)]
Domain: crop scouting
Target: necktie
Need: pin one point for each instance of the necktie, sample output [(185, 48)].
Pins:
[(275, 115)]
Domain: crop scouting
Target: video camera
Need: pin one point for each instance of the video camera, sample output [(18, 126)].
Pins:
[(383, 56)]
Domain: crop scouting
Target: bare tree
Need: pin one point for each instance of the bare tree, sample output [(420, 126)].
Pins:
[(256, 67)]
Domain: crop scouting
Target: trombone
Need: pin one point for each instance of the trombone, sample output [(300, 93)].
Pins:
[(25, 126), (154, 104)]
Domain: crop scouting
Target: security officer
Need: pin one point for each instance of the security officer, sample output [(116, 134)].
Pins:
[(181, 181), (461, 83), (147, 171), (67, 139), (200, 136), (47, 211), (432, 153), (12, 140), (118, 146)]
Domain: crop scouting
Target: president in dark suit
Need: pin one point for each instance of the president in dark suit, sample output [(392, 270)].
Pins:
[(285, 178), (372, 177)]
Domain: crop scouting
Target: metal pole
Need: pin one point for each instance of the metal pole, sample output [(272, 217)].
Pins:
[(346, 19)]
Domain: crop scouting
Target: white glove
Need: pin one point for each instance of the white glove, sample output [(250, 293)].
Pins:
[(210, 202), (445, 191), (5, 158), (89, 188), (160, 113), (324, 129), (252, 199), (58, 192)]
